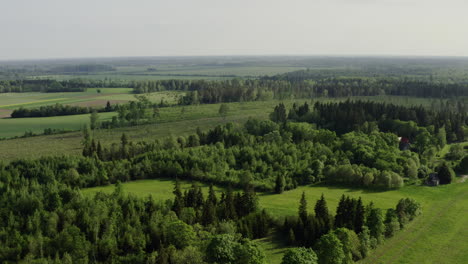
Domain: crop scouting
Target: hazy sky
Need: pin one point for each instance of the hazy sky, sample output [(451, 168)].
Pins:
[(103, 28)]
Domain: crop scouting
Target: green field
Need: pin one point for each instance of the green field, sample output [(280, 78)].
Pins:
[(439, 235), (11, 127), (34, 99)]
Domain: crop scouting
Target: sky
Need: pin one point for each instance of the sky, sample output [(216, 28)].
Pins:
[(33, 29)]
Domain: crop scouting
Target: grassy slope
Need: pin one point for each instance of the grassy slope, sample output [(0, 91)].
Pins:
[(440, 235)]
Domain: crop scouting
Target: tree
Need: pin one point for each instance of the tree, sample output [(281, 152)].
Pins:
[(365, 241), (178, 199), (299, 256), (375, 223), (222, 249), (391, 223), (279, 114), (442, 137), (223, 110), (350, 242), (303, 208), (322, 213), (330, 249), (446, 174), (94, 120), (180, 234), (358, 221), (108, 107), (279, 184), (248, 252), (187, 255)]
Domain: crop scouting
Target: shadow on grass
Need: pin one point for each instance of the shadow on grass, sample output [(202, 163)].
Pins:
[(344, 188), (274, 244)]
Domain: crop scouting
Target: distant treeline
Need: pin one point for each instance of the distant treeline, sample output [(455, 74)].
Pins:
[(81, 68), (344, 117), (52, 86), (58, 110), (237, 90), (286, 86), (352, 86)]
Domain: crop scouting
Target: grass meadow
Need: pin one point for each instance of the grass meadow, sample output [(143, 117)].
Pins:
[(439, 235)]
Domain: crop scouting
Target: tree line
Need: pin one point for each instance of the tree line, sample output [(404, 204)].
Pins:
[(59, 110), (333, 86), (409, 122)]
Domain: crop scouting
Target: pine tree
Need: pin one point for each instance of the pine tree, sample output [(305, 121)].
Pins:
[(291, 237), (359, 216), (100, 152), (209, 213), (212, 196), (340, 216), (303, 209), (322, 213), (279, 186), (178, 199), (229, 206)]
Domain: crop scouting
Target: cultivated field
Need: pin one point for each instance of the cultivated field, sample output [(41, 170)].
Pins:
[(13, 127)]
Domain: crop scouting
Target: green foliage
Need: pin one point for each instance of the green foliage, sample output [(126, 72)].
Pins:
[(351, 244), (330, 250), (223, 110), (279, 184), (226, 248), (445, 173), (180, 234), (299, 256)]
